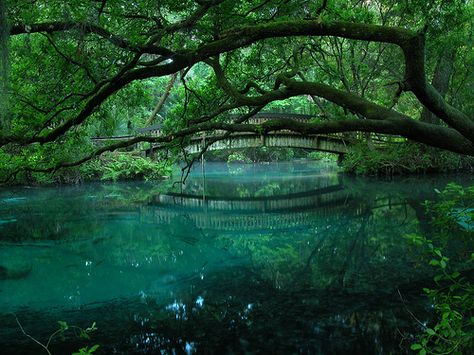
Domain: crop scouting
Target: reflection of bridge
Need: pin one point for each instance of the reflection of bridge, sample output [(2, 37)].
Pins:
[(333, 143), (280, 212), (263, 204)]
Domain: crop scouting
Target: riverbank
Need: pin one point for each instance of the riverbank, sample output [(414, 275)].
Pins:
[(402, 160), (112, 166), (406, 159)]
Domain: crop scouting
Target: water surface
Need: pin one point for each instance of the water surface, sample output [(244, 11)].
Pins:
[(265, 258)]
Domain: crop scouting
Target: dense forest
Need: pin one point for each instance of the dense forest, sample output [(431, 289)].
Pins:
[(236, 176), (75, 70)]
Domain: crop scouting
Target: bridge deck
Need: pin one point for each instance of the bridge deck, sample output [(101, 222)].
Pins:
[(339, 143)]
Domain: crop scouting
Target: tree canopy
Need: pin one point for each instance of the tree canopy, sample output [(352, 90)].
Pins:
[(73, 70)]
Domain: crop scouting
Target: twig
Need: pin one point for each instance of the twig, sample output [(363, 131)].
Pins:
[(410, 312), (29, 336)]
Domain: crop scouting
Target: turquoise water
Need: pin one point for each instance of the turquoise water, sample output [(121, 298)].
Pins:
[(265, 258)]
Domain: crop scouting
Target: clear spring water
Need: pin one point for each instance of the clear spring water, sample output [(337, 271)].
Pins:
[(266, 258)]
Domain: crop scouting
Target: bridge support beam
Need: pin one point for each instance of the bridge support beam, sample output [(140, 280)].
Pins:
[(340, 159), (331, 144)]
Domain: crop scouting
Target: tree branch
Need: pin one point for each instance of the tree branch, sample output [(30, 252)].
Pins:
[(411, 43), (50, 27), (433, 135), (162, 100)]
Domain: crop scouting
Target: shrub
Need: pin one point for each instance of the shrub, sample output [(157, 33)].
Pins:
[(453, 298), (238, 157), (322, 156), (403, 158), (125, 166)]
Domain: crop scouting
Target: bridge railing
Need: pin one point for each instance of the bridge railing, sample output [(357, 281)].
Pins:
[(375, 140)]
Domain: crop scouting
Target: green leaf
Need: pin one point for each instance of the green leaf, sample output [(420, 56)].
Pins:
[(94, 348), (83, 334), (416, 347), (430, 331), (86, 350), (434, 262), (63, 326), (91, 328)]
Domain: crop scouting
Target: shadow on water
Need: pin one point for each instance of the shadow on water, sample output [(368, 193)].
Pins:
[(278, 258)]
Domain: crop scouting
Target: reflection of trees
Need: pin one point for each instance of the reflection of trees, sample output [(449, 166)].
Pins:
[(265, 185), (334, 277), (62, 215), (335, 248), (359, 253)]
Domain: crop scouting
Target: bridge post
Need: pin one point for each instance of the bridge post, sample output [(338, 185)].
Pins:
[(340, 159), (203, 171)]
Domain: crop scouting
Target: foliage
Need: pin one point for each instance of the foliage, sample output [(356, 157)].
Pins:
[(268, 190), (125, 166), (322, 156), (259, 154), (272, 154), (106, 64), (87, 350), (237, 157), (61, 332), (454, 210), (403, 158), (26, 160), (453, 298)]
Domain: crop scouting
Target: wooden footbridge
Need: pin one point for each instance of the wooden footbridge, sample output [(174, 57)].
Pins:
[(338, 143), (326, 143)]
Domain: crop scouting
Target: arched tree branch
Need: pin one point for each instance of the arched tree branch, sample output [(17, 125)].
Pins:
[(411, 43)]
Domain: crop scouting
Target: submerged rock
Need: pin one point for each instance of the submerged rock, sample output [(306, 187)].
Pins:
[(14, 274)]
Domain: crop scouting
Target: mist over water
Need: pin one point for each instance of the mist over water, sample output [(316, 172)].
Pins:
[(250, 258)]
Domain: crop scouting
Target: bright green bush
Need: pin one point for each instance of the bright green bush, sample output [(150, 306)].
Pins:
[(257, 154), (125, 166), (322, 156), (238, 157)]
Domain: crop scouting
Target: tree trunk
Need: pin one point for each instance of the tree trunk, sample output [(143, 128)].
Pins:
[(4, 36), (442, 75), (162, 101)]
